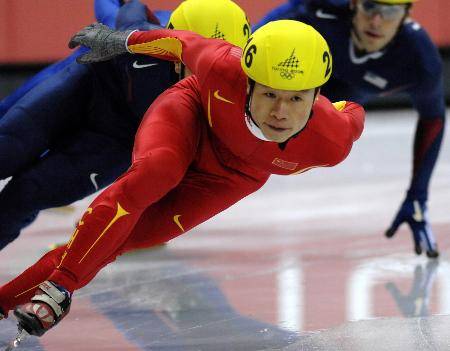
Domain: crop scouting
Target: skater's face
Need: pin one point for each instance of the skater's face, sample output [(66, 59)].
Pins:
[(376, 24), (281, 113)]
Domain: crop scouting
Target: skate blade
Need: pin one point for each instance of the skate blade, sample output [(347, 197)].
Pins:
[(21, 336)]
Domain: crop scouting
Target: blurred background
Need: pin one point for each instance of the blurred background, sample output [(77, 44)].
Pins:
[(34, 33)]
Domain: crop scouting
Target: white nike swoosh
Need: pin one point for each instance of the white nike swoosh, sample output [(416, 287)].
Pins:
[(92, 176), (137, 65), (376, 80), (3, 182), (321, 14)]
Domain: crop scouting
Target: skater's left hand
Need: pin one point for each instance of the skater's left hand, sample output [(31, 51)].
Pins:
[(104, 43), (414, 213)]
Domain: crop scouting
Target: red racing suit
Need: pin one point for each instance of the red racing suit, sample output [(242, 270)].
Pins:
[(194, 156)]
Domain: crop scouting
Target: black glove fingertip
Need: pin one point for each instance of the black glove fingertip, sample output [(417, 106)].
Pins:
[(418, 249), (390, 232), (432, 254)]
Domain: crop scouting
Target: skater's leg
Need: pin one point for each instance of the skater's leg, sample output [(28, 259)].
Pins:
[(44, 115), (37, 79), (199, 197), (165, 146), (22, 288), (85, 163), (168, 218), (154, 154)]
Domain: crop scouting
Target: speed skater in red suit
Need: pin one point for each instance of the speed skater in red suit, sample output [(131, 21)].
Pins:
[(204, 144)]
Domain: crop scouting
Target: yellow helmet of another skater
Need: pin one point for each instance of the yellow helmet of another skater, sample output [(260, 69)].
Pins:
[(219, 19)]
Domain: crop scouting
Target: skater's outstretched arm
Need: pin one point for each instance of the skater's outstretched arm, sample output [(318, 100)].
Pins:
[(195, 51), (428, 98)]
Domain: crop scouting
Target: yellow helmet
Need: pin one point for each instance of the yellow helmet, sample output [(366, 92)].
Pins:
[(220, 19), (287, 55)]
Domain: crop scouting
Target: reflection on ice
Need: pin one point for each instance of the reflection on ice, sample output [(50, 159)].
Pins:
[(394, 334)]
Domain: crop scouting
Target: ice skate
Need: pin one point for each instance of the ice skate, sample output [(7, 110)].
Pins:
[(50, 304)]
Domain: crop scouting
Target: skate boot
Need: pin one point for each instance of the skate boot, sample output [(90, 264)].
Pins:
[(50, 304), (2, 314), (433, 253)]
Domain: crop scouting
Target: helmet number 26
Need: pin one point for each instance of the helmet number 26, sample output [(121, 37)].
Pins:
[(249, 52)]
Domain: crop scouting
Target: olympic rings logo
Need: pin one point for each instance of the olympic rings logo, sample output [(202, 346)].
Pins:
[(287, 75)]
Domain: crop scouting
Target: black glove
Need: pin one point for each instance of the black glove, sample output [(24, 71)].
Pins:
[(104, 43), (414, 212)]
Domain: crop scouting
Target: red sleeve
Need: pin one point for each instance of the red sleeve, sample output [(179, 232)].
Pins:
[(340, 124), (195, 51), (354, 114)]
